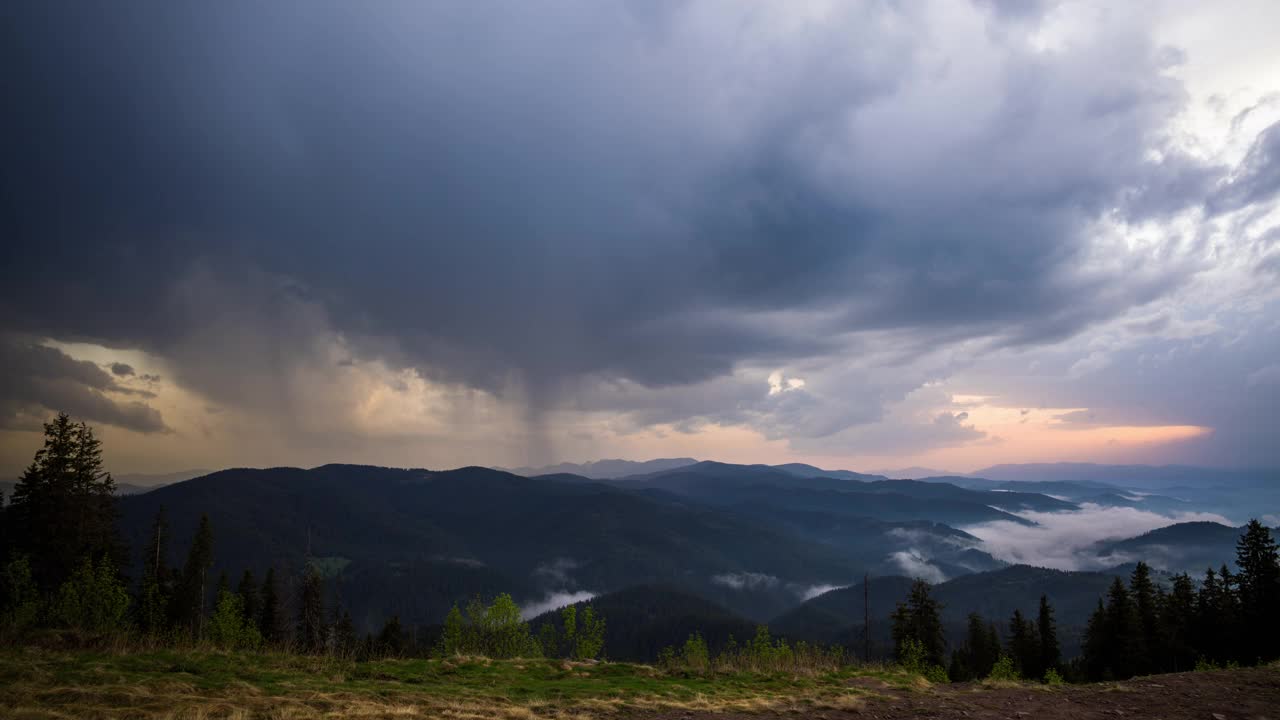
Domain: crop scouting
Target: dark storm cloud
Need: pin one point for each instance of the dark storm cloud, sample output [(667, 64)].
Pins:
[(120, 369), (45, 379), (558, 191)]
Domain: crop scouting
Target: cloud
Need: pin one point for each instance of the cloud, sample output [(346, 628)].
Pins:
[(1064, 540), (868, 197), (557, 570), (39, 380), (916, 565), (813, 591), (120, 369), (745, 580), (554, 601)]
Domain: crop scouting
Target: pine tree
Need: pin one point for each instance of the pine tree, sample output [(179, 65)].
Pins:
[(271, 619), (1146, 639), (344, 635), (391, 640), (1259, 592), (918, 619), (1047, 632), (311, 630), (1023, 646), (157, 584), (249, 598), (63, 507), (1177, 625), (1209, 604), (1229, 620), (190, 597), (1096, 644), (1121, 631)]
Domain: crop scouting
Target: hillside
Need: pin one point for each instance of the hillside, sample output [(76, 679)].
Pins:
[(642, 620), (1184, 547), (413, 542), (831, 617)]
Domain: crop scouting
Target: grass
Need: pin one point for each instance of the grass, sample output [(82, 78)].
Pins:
[(203, 685)]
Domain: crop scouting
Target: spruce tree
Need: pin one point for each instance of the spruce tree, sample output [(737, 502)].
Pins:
[(249, 598), (1122, 629), (1023, 646), (391, 640), (918, 619), (1177, 626), (190, 597), (1259, 592), (1146, 639), (1096, 645), (311, 630), (271, 618), (1047, 632), (63, 507), (156, 591)]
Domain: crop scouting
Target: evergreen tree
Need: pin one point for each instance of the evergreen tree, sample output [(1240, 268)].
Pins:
[(391, 640), (311, 630), (156, 590), (1229, 627), (249, 598), (271, 618), (1177, 626), (63, 507), (1147, 638), (1024, 648), (974, 659), (1047, 633), (228, 627), (1096, 642), (918, 619), (344, 635), (189, 597), (1259, 592), (1121, 630)]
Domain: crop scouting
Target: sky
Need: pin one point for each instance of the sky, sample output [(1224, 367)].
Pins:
[(863, 235)]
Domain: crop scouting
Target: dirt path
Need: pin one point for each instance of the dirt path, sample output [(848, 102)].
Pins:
[(1248, 694)]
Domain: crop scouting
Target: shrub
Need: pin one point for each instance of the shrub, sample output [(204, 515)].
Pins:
[(92, 600), (1003, 669), (1051, 677), (495, 630), (695, 655), (228, 628), (19, 598)]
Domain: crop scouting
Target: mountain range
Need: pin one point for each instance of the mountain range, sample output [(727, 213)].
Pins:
[(760, 542)]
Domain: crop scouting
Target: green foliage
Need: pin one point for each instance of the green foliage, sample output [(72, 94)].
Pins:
[(92, 600), (495, 630), (19, 597), (228, 627), (694, 655), (1052, 677), (588, 641), (1004, 669)]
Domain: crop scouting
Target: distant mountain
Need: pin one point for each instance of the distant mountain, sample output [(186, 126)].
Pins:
[(122, 488), (772, 490), (413, 542), (1185, 547), (809, 471), (915, 472), (837, 616), (606, 469), (640, 621), (154, 480), (1148, 477)]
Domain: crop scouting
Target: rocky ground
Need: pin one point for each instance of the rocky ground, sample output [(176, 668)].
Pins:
[(1245, 694)]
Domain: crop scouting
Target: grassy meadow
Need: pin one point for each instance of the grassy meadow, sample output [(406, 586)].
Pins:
[(179, 684)]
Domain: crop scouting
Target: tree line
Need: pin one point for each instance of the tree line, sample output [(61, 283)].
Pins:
[(61, 569), (61, 559)]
